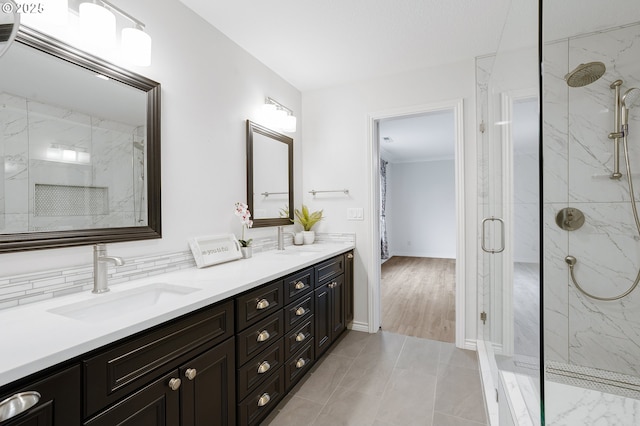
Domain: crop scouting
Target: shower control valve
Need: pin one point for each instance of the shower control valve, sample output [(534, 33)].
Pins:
[(570, 219)]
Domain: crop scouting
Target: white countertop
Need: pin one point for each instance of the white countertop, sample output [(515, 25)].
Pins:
[(34, 338)]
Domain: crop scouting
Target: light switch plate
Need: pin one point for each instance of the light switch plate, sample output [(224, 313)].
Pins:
[(355, 213)]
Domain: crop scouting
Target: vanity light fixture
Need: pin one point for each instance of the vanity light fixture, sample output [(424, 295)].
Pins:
[(97, 25), (68, 154), (134, 42), (279, 116), (54, 12), (92, 24)]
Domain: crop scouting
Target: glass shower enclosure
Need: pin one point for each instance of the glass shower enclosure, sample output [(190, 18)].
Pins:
[(586, 341), (591, 243)]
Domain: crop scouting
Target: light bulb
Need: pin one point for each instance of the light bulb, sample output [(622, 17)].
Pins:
[(136, 47), (98, 25), (289, 124)]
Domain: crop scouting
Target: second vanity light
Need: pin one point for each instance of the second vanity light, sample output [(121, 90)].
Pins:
[(278, 116)]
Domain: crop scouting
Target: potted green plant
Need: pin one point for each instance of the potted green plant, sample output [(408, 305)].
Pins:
[(307, 220)]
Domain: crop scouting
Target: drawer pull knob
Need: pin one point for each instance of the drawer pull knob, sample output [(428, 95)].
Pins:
[(264, 400), (299, 285), (300, 311), (264, 367), (191, 373), (264, 335), (262, 304), (174, 384), (350, 256), (300, 337), (301, 362), (333, 284)]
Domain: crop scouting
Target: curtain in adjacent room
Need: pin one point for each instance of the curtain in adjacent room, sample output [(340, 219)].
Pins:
[(384, 245)]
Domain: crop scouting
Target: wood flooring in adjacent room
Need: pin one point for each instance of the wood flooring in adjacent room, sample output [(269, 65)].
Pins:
[(418, 297)]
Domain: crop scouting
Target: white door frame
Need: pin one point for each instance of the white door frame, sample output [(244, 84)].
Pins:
[(374, 209)]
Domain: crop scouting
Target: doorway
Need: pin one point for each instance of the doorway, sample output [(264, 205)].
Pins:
[(417, 224), (409, 238)]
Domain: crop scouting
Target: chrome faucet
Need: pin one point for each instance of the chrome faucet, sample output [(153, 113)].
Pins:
[(280, 237), (100, 259)]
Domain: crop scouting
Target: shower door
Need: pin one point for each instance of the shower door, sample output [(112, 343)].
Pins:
[(508, 221)]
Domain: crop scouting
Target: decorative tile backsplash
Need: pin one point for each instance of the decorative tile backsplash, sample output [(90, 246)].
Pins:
[(28, 288)]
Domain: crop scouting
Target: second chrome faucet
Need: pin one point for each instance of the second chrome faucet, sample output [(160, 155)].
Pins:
[(100, 260)]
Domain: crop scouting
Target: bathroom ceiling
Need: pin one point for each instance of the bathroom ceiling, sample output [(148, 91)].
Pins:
[(314, 44), (417, 138)]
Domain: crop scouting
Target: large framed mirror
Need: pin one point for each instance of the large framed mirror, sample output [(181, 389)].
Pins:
[(80, 146), (269, 176)]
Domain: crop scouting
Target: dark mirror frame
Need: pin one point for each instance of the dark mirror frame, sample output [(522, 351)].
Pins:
[(256, 128), (57, 239)]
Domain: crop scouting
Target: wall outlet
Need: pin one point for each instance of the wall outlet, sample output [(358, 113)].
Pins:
[(355, 213)]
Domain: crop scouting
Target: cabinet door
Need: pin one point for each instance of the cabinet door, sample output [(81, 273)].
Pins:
[(348, 287), (208, 387), (59, 403), (322, 318), (155, 404), (336, 289)]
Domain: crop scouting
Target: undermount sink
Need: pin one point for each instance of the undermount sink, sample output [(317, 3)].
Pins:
[(107, 306)]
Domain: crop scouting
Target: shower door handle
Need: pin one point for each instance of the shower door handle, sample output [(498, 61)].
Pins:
[(484, 223)]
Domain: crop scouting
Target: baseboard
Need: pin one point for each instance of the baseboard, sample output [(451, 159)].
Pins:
[(419, 254), (359, 326), (470, 344)]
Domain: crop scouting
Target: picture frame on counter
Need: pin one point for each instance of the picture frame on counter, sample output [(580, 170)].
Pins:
[(214, 249)]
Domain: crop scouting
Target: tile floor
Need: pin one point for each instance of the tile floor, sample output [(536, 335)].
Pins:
[(387, 379)]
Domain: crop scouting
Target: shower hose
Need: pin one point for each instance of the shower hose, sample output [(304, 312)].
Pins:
[(571, 261)]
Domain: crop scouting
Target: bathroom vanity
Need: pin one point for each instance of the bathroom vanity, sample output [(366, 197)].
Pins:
[(221, 354)]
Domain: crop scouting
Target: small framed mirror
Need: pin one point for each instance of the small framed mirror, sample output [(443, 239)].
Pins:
[(80, 148), (269, 176)]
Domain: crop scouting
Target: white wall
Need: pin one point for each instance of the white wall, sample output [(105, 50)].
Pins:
[(210, 86), (421, 209), (337, 155)]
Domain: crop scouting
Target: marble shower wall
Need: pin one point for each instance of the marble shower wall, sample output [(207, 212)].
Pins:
[(578, 158), (28, 129)]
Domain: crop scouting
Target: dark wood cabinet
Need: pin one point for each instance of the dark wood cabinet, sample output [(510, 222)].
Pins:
[(155, 404), (59, 404), (226, 364), (348, 287), (181, 373), (329, 313), (207, 394)]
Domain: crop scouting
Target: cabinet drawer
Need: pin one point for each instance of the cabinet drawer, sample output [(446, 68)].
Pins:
[(262, 400), (298, 312), (258, 304), (126, 367), (298, 365), (259, 368), (297, 338), (329, 269), (297, 285), (259, 336)]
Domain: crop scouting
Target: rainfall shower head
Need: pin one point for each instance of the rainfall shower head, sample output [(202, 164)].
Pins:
[(585, 74)]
